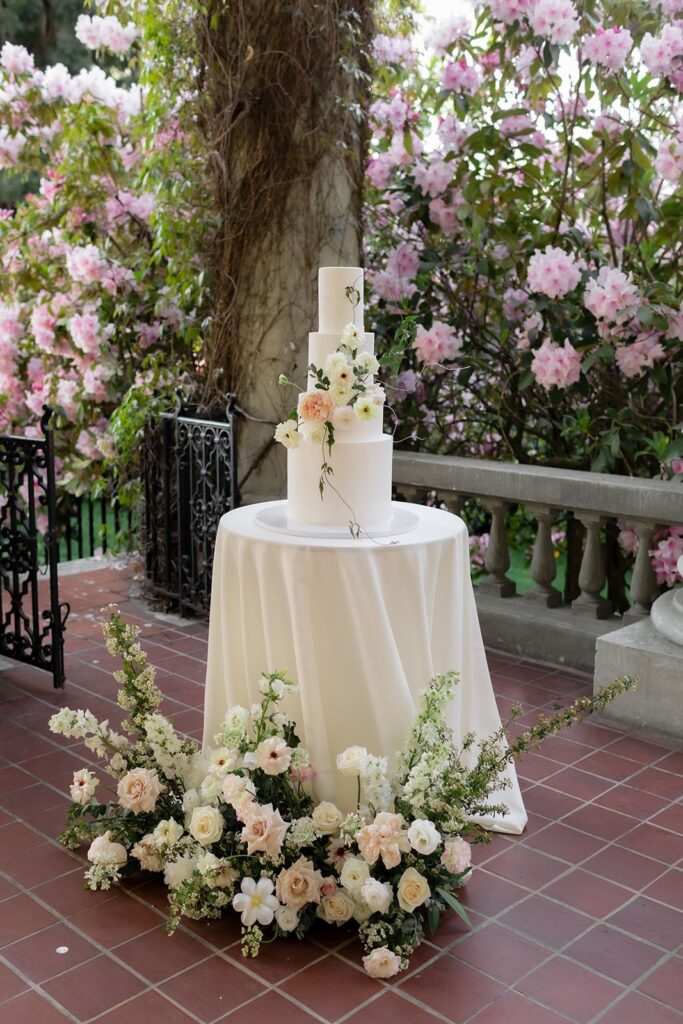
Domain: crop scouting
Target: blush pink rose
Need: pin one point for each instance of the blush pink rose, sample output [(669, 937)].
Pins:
[(139, 789), (382, 963), (315, 406), (264, 830), (299, 884)]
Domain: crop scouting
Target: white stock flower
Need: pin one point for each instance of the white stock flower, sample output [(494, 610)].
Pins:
[(351, 761), (423, 836), (378, 895), (354, 874), (206, 825), (237, 717)]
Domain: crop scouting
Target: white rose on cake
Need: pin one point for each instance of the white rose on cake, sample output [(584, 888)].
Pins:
[(288, 434)]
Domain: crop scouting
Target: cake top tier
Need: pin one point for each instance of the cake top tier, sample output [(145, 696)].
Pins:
[(340, 298)]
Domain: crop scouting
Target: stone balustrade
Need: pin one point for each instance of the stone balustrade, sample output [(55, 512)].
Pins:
[(539, 623)]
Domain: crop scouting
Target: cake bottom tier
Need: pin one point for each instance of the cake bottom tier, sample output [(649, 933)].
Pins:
[(359, 489)]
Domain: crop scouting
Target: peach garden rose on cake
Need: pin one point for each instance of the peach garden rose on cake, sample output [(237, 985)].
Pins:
[(234, 829)]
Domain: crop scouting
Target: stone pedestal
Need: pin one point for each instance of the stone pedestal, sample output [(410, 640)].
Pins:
[(639, 649)]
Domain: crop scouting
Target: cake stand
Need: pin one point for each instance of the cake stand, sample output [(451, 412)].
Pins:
[(361, 625)]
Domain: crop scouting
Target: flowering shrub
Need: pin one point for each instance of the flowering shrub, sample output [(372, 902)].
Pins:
[(234, 826), (525, 205), (99, 267)]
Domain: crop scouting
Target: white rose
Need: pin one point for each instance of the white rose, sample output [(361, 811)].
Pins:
[(287, 918), (179, 870), (378, 895), (168, 832), (327, 818), (337, 908), (413, 890), (206, 825), (210, 788), (423, 836), (104, 851), (354, 873), (237, 718), (352, 761)]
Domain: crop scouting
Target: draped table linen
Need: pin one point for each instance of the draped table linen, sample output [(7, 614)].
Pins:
[(361, 625)]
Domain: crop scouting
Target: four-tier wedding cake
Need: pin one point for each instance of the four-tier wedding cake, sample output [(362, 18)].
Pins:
[(339, 458)]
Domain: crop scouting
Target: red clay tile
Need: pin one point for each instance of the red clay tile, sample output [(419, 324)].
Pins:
[(609, 766), (21, 916), (500, 953), (600, 821), (7, 889), (550, 803), (455, 990), (389, 1008), (546, 921), (452, 927), (588, 893), (156, 955), (578, 783), (654, 842), (93, 987), (652, 921), (567, 843), (635, 1008), (67, 894), (31, 1008), (330, 987), (279, 960), (38, 865), (665, 985), (488, 894), (37, 956), (110, 924), (148, 1008), (568, 988), (637, 750), (619, 956), (630, 800), (673, 762), (16, 838), (526, 867), (513, 1008), (662, 783), (668, 889), (671, 818), (536, 767), (212, 988), (10, 985), (624, 867)]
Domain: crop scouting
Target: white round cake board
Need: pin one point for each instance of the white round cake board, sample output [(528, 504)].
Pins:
[(274, 517)]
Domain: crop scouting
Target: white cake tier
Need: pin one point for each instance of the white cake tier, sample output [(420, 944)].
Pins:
[(362, 478), (335, 308), (322, 344)]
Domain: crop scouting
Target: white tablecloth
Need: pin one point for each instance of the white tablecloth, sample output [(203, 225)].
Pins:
[(361, 625)]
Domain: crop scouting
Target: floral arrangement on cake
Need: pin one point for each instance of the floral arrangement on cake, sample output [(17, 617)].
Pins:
[(236, 827)]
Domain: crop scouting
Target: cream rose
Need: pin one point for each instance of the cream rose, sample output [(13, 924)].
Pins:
[(378, 895), (351, 761), (264, 830), (139, 789), (327, 818), (382, 963), (299, 884), (315, 406), (104, 851), (336, 908), (423, 836), (206, 825), (273, 756), (354, 873), (413, 890)]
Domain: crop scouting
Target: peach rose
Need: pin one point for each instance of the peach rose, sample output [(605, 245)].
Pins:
[(139, 789), (315, 406), (264, 830), (382, 963), (299, 884), (413, 890), (384, 838)]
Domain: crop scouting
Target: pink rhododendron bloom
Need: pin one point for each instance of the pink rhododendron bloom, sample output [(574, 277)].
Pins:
[(553, 272), (11, 330), (515, 303), (609, 47), (107, 32), (640, 355), (86, 264), (43, 325), (453, 133), (669, 160), (554, 19), (394, 49), (438, 343), (433, 177), (397, 279), (478, 544), (11, 146), (148, 334), (659, 52), (379, 170), (56, 83), (509, 11), (85, 331), (16, 59), (609, 122), (444, 216), (628, 538), (611, 296), (665, 556), (445, 32), (460, 76), (517, 124), (66, 396), (556, 366)]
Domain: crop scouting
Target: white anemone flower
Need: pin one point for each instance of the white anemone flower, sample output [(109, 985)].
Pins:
[(256, 902)]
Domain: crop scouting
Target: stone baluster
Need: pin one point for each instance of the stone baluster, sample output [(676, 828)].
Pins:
[(543, 567), (590, 603), (644, 589), (497, 557), (452, 502), (409, 492)]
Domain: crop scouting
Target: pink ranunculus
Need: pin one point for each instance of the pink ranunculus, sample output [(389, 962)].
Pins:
[(264, 830), (385, 837), (553, 272), (556, 365), (315, 406)]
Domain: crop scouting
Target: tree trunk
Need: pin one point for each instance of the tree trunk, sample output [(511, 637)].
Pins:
[(285, 117)]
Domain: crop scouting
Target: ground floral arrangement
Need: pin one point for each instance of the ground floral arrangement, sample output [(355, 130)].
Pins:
[(235, 826)]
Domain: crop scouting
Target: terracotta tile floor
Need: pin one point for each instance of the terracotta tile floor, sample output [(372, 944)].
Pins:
[(579, 920)]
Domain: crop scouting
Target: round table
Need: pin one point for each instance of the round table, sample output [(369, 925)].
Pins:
[(361, 626)]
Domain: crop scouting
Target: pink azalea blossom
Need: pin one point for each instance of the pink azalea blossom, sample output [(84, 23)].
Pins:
[(556, 366), (11, 330), (453, 133), (86, 264), (11, 147), (611, 296), (628, 538), (460, 76), (379, 170), (85, 331), (669, 160), (553, 272), (437, 344), (444, 215), (554, 19), (609, 47), (107, 32), (394, 49)]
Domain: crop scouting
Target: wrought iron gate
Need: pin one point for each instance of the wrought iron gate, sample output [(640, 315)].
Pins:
[(190, 482), (31, 616)]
